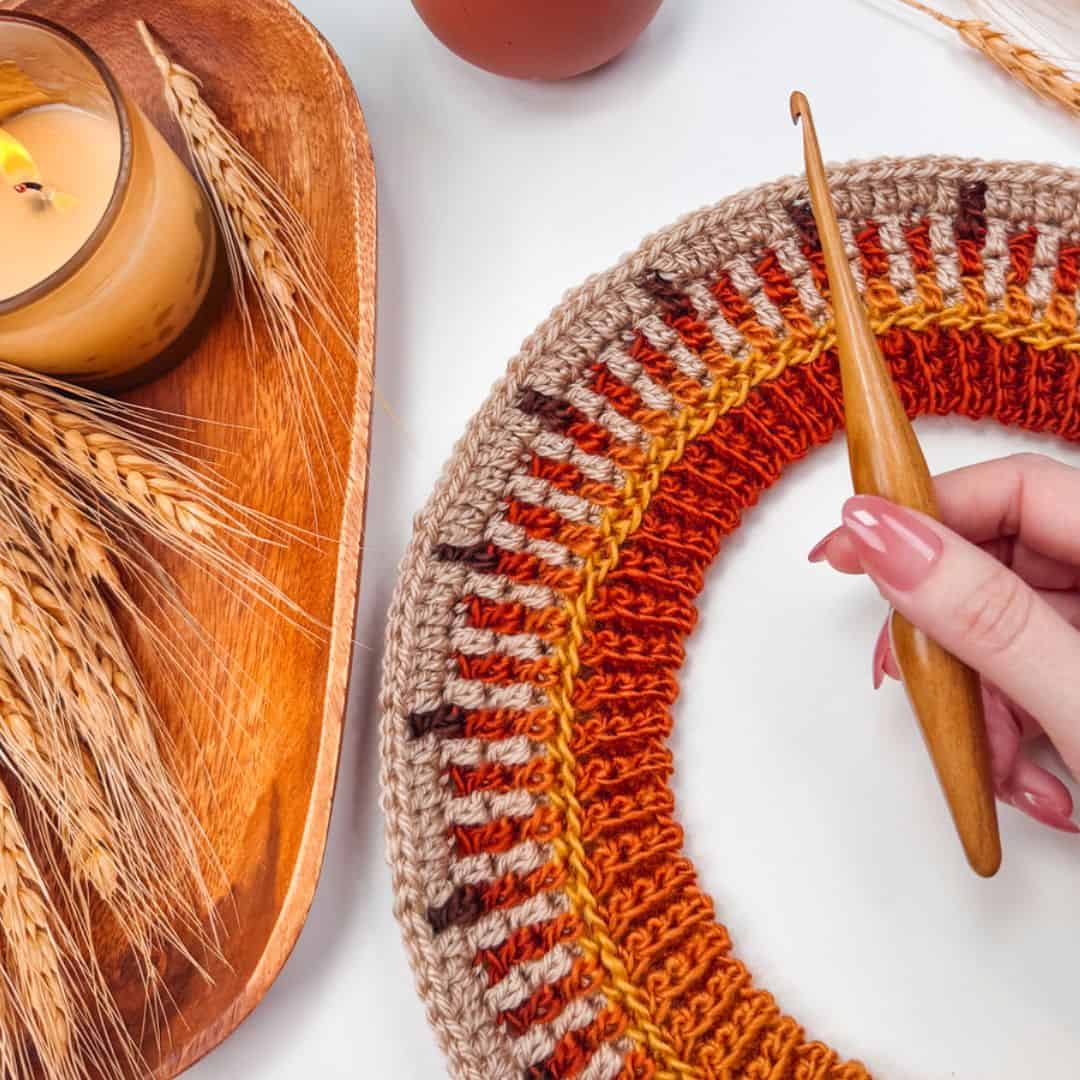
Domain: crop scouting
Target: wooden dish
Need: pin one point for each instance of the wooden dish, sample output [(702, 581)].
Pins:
[(264, 786)]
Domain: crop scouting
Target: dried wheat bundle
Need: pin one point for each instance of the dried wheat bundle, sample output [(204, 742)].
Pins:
[(275, 266), (1024, 64), (81, 478), (72, 534)]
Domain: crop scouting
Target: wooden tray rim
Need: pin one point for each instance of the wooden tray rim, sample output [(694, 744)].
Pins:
[(309, 858)]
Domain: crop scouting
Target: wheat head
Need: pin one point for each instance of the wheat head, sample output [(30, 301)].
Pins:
[(1025, 65), (170, 503), (36, 969), (272, 258), (68, 785), (81, 675), (60, 518)]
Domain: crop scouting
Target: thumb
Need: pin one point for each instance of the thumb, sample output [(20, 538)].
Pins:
[(977, 609)]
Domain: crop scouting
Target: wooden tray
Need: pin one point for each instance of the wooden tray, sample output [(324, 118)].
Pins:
[(272, 747)]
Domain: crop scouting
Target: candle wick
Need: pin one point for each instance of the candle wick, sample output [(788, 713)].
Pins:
[(47, 196)]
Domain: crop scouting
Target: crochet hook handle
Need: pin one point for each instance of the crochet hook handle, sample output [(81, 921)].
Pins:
[(886, 460)]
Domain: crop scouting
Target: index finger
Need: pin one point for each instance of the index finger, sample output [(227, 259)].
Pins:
[(1029, 498)]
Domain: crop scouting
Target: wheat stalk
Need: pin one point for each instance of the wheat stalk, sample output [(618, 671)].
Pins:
[(1025, 65), (67, 782), (272, 257), (14, 1062), (168, 499), (79, 667), (61, 519), (140, 480), (34, 953)]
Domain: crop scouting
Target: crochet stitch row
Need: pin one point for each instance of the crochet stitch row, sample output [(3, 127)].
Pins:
[(556, 928)]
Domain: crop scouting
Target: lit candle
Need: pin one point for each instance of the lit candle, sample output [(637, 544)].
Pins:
[(109, 246), (39, 220)]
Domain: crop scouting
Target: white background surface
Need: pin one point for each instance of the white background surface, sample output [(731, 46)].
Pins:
[(807, 800)]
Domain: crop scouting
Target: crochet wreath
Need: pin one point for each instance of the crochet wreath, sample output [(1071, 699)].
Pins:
[(556, 928)]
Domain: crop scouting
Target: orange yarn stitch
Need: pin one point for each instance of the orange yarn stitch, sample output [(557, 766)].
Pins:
[(880, 293), (503, 833), (662, 370), (569, 478), (737, 310), (917, 238), (536, 774), (1018, 304), (515, 618), (499, 668), (543, 524), (529, 943), (780, 290)]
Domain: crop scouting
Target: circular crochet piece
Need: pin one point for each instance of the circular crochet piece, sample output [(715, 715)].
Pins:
[(556, 928)]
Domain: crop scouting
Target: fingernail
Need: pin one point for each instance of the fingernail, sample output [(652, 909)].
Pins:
[(999, 718), (893, 545), (880, 647), (1044, 810), (817, 552)]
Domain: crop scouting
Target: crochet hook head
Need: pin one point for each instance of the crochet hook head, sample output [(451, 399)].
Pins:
[(886, 460)]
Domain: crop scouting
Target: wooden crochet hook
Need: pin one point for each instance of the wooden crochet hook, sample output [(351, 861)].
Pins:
[(886, 460)]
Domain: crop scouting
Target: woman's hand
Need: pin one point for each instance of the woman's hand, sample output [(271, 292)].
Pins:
[(998, 586)]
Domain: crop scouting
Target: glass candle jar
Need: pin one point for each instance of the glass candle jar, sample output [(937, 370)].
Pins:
[(109, 249)]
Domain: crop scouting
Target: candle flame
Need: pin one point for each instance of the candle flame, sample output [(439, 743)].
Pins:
[(16, 164), (18, 168)]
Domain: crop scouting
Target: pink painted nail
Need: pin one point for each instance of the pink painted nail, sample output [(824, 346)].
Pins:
[(893, 544), (881, 646), (1043, 809), (817, 552)]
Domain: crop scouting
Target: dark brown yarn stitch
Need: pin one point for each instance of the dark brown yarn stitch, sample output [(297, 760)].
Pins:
[(465, 906), (802, 215), (672, 299), (971, 214), (447, 721), (555, 413), (480, 556)]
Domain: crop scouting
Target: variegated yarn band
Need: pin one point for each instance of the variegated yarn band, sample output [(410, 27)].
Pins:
[(556, 928)]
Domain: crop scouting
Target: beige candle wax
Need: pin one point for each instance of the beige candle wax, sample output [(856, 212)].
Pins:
[(102, 280), (79, 154)]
